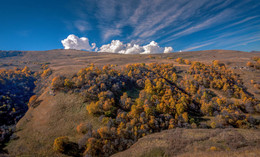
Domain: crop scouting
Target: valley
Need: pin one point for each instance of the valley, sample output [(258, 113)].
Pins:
[(101, 104)]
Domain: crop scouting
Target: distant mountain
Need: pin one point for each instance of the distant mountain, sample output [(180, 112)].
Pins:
[(4, 54)]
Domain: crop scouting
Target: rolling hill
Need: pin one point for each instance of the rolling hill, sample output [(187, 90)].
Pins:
[(58, 112)]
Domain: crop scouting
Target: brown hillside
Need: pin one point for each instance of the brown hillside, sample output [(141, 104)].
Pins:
[(68, 62), (197, 142), (58, 115)]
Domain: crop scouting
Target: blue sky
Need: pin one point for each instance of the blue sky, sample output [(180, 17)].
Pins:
[(182, 24)]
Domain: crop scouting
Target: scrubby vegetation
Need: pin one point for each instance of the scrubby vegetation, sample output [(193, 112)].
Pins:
[(255, 63), (141, 99), (16, 87), (16, 95), (15, 90)]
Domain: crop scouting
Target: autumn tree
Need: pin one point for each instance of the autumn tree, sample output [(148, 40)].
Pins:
[(216, 63), (83, 128), (250, 64), (125, 102), (46, 73), (179, 60), (61, 144), (68, 83), (32, 100), (174, 77), (57, 82)]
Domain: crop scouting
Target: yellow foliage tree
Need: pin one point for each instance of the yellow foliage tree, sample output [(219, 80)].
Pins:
[(32, 100), (57, 82), (174, 77), (250, 64), (60, 144)]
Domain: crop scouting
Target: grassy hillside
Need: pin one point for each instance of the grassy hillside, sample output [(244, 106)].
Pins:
[(197, 142), (56, 116), (69, 62), (60, 110)]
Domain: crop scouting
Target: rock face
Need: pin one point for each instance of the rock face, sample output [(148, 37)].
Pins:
[(197, 142)]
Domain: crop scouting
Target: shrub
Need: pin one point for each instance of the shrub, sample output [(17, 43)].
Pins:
[(46, 72), (26, 70), (250, 64), (68, 83), (93, 108), (174, 77), (32, 100), (179, 60), (187, 62), (83, 128), (185, 116), (213, 148), (216, 63), (193, 125), (213, 125), (57, 82), (151, 57), (60, 144)]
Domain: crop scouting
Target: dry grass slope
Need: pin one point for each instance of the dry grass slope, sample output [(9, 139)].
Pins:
[(197, 142), (56, 116)]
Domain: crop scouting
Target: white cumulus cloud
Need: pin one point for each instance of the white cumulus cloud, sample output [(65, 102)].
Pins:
[(168, 50), (133, 49), (74, 42), (116, 46)]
